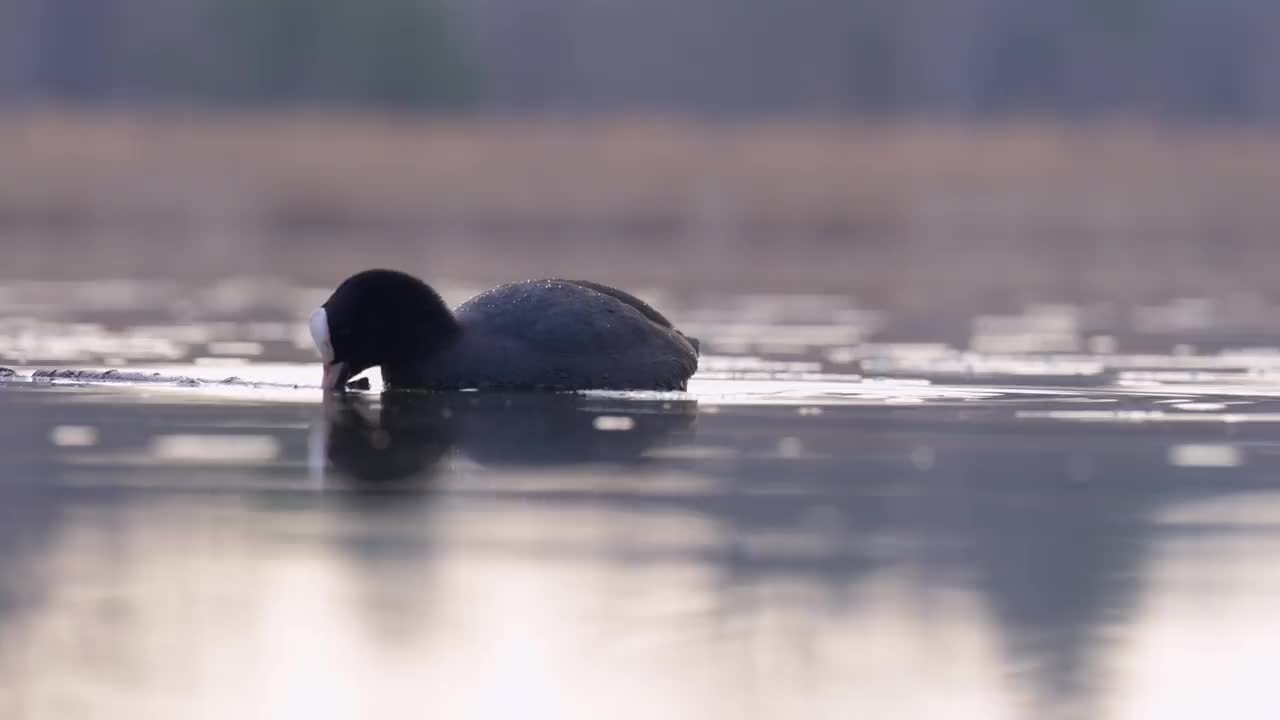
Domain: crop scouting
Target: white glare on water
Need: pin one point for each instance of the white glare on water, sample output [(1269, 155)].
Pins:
[(73, 436), (215, 449), (613, 423), (1205, 455)]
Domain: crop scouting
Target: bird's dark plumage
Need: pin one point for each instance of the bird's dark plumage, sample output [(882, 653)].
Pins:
[(543, 334)]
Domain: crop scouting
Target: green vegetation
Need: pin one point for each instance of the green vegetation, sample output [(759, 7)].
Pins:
[(394, 53), (975, 59)]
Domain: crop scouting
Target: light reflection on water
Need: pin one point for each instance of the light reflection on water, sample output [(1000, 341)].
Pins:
[(841, 518)]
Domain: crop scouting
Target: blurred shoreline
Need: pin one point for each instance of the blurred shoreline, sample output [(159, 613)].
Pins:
[(902, 213)]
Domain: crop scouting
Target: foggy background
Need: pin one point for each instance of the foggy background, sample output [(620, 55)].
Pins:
[(1170, 59), (901, 148)]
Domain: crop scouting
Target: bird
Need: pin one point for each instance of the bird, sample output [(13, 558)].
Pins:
[(548, 334)]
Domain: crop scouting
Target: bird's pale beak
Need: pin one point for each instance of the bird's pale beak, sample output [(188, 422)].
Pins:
[(336, 376)]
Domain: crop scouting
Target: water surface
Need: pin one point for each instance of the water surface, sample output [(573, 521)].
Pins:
[(1041, 511)]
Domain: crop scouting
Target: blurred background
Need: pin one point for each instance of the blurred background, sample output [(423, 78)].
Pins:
[(915, 152)]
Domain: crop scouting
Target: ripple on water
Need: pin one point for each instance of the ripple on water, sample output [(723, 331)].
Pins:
[(804, 350)]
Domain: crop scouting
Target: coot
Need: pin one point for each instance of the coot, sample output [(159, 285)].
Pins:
[(534, 335)]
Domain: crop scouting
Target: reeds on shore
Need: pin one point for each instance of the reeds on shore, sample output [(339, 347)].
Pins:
[(802, 193)]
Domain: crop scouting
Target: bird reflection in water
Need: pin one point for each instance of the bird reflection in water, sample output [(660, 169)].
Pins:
[(399, 440)]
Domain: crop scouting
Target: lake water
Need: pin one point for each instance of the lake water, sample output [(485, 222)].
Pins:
[(1048, 511)]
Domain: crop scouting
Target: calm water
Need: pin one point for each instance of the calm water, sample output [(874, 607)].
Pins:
[(1050, 512)]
